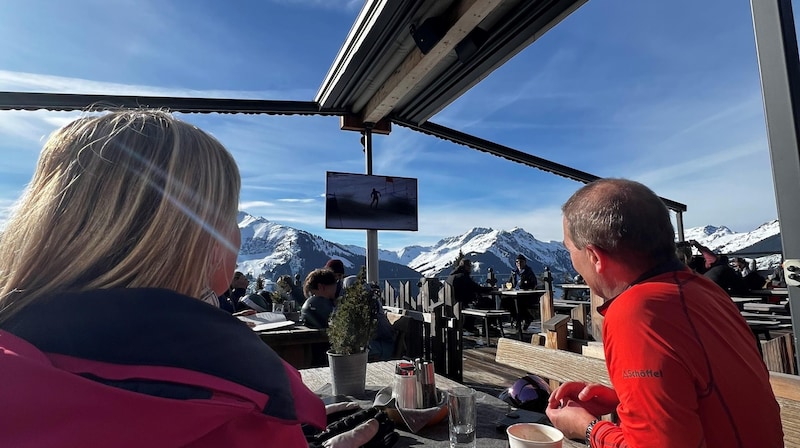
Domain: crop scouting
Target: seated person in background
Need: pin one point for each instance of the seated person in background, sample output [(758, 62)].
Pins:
[(776, 279), (237, 290), (226, 303), (129, 220), (320, 287), (337, 266), (298, 295), (683, 250), (229, 300), (720, 272), (524, 278), (747, 269), (290, 292), (465, 290)]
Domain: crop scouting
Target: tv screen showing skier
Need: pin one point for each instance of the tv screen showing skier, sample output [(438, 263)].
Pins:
[(370, 202)]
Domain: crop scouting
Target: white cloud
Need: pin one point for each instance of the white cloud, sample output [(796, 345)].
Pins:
[(303, 201), (34, 82), (252, 205), (323, 4)]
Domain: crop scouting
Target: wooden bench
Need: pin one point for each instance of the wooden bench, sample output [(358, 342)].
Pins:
[(562, 366), (579, 311), (486, 316), (741, 301), (767, 308), (779, 317)]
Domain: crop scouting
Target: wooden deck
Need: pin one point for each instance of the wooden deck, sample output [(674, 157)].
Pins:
[(482, 373)]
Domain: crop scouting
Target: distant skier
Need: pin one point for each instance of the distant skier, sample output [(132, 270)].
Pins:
[(376, 196)]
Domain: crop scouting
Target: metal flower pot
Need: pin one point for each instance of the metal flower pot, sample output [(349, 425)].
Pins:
[(348, 373)]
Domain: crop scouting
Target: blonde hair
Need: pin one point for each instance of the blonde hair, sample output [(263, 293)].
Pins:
[(132, 198)]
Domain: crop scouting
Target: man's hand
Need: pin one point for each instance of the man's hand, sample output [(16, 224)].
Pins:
[(574, 405), (597, 399), (571, 419)]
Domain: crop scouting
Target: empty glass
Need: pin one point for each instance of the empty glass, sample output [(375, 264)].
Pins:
[(463, 412)]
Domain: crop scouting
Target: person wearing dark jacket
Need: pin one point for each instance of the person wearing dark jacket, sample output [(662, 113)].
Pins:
[(320, 287), (719, 271), (523, 278), (465, 290)]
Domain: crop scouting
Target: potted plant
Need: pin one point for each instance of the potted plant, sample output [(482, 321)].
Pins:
[(278, 298), (350, 329)]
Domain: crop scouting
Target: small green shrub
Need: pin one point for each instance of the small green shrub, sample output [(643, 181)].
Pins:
[(354, 320)]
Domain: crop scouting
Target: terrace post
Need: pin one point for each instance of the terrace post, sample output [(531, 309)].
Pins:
[(779, 65)]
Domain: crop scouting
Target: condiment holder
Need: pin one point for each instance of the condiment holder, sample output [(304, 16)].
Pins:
[(413, 398), (413, 419)]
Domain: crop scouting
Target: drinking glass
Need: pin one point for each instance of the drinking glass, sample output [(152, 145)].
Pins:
[(462, 411)]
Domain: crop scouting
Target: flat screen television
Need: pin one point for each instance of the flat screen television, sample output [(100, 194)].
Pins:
[(370, 202)]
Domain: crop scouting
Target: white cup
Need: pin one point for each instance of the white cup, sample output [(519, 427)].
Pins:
[(533, 435)]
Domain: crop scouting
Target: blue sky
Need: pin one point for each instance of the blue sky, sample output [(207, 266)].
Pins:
[(664, 92)]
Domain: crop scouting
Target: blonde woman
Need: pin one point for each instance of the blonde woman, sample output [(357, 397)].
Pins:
[(127, 227)]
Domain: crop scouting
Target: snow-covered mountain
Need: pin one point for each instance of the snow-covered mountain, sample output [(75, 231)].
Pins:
[(270, 249), (764, 239), (488, 248)]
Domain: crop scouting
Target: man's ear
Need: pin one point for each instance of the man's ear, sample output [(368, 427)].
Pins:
[(597, 257)]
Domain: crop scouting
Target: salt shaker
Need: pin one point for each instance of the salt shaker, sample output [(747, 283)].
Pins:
[(427, 382), (406, 388)]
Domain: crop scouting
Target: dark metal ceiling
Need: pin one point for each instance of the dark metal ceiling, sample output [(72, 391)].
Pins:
[(379, 57)]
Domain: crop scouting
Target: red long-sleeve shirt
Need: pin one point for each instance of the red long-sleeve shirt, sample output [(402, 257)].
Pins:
[(686, 369)]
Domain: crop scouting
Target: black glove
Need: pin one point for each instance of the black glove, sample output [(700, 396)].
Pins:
[(369, 428)]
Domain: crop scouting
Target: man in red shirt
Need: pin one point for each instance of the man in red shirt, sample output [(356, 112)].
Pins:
[(684, 365)]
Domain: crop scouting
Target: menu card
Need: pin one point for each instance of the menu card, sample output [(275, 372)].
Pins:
[(266, 321)]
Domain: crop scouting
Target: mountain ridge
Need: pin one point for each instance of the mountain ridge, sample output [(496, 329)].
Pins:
[(270, 249)]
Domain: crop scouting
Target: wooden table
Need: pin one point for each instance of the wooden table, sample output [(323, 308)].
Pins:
[(493, 295), (486, 316), (534, 295), (380, 374), (300, 346), (573, 289)]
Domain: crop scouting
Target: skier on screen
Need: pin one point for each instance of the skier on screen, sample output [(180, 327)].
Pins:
[(376, 196)]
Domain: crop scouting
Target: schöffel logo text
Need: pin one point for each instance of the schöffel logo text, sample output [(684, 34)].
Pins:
[(641, 373)]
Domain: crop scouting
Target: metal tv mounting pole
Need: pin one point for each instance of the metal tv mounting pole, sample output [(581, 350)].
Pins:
[(372, 235)]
